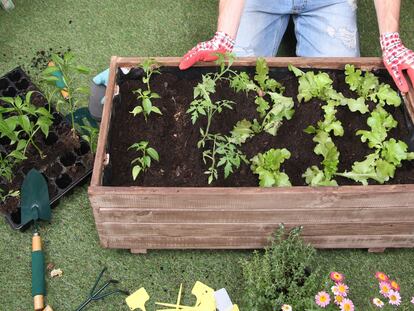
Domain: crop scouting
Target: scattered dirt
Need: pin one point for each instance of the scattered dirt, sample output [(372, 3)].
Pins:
[(175, 137)]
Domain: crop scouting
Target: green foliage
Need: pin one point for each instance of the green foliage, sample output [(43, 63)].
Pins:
[(367, 86), (271, 112), (77, 95), (282, 108), (90, 136), (145, 97), (282, 274), (266, 84), (10, 194), (24, 120), (144, 161), (241, 132), (223, 153), (313, 85), (267, 166)]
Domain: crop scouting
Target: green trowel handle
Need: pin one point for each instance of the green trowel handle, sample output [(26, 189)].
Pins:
[(38, 273)]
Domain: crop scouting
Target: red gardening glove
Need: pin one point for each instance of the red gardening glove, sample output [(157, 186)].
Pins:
[(397, 58), (205, 51)]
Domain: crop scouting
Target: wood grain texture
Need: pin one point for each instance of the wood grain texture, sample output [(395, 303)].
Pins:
[(141, 218)]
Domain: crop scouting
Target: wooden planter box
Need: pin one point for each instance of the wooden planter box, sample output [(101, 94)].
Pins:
[(141, 218)]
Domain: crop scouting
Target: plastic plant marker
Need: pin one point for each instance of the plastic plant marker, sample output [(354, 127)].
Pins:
[(201, 290), (138, 299), (223, 301)]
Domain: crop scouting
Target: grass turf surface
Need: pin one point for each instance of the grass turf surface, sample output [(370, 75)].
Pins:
[(95, 30)]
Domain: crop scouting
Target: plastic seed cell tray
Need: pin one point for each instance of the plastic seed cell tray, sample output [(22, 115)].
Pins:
[(62, 171)]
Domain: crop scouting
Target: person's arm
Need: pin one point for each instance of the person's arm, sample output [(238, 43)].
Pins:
[(230, 12), (395, 55)]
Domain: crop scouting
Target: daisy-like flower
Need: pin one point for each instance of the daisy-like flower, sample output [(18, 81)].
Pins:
[(412, 300), (336, 277), (394, 298), (338, 300), (286, 308), (322, 299), (381, 277), (395, 286), (347, 305), (340, 289), (385, 289), (378, 302)]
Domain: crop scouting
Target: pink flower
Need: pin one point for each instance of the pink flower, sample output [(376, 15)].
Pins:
[(394, 298), (347, 305), (340, 289), (395, 286), (336, 277), (322, 299), (382, 277), (378, 302), (412, 300), (385, 288)]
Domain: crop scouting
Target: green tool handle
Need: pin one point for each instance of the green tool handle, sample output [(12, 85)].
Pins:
[(38, 273)]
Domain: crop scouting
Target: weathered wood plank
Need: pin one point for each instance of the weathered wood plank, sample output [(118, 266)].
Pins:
[(357, 241), (251, 230), (239, 198), (289, 215)]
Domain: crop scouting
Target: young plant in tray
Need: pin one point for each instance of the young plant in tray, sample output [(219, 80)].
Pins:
[(10, 194), (24, 121), (75, 95), (145, 97), (143, 162), (267, 166)]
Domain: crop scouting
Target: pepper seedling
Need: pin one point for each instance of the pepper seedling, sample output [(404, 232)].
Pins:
[(145, 97), (144, 161)]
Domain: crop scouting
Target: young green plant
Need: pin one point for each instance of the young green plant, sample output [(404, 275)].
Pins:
[(143, 162), (267, 166), (24, 121), (76, 95), (145, 97)]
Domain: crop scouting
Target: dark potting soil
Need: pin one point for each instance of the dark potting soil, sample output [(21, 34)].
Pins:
[(175, 137), (66, 160)]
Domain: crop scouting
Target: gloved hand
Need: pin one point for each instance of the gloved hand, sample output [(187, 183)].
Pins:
[(397, 58), (205, 51), (102, 78)]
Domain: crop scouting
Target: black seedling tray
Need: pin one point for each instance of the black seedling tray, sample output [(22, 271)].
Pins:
[(62, 171)]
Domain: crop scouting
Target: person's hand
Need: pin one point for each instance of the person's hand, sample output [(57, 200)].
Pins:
[(397, 58), (206, 51)]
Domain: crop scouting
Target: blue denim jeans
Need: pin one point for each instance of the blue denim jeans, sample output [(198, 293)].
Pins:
[(323, 28)]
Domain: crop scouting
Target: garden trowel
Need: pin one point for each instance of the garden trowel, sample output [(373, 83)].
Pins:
[(34, 206)]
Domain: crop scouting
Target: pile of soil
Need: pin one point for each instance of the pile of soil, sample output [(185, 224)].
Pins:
[(175, 137)]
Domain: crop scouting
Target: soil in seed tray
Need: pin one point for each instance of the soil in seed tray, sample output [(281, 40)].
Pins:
[(175, 137)]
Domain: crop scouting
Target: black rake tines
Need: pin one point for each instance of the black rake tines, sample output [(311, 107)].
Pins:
[(98, 293)]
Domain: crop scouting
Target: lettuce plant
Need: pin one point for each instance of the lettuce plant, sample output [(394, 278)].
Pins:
[(267, 166)]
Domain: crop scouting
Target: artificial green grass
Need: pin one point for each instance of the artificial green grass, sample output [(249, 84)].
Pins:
[(95, 30)]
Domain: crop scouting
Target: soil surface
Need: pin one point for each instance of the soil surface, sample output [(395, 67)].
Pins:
[(66, 158), (175, 137)]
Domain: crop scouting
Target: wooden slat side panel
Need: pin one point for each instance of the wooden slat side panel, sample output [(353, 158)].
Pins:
[(296, 216), (251, 230), (229, 200), (105, 124), (142, 242)]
